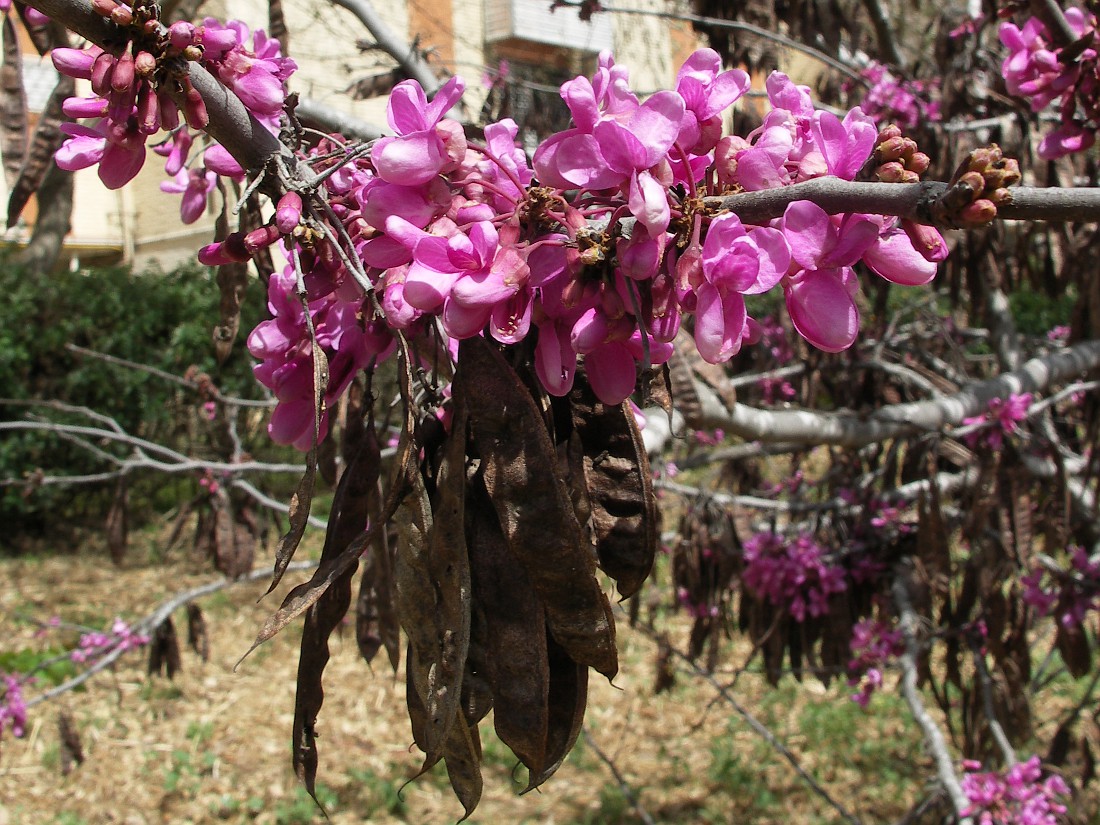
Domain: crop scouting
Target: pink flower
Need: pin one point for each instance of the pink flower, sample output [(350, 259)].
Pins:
[(195, 186), (734, 263), (423, 147), (707, 91), (119, 151), (820, 294)]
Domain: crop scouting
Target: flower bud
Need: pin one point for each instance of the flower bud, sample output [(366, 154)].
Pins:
[(288, 212), (1001, 196), (892, 172), (167, 111), (147, 115), (35, 19), (892, 149), (84, 107), (231, 250), (918, 162), (75, 63), (888, 132), (104, 8), (181, 34), (122, 16), (102, 69), (974, 181), (194, 107), (259, 238), (980, 212), (144, 64), (122, 78), (927, 240), (193, 53)]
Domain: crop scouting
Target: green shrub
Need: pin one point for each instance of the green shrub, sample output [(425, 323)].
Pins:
[(160, 319)]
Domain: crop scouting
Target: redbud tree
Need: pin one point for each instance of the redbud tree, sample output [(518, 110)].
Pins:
[(648, 254)]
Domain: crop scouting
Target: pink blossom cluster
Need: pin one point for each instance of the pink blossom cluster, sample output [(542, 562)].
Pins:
[(874, 644), (795, 574), (598, 249), (1002, 418), (96, 644), (1018, 796), (13, 707), (1068, 77), (456, 231), (141, 88), (908, 103), (1068, 594)]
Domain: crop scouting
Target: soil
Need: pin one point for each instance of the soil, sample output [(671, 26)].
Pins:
[(212, 744)]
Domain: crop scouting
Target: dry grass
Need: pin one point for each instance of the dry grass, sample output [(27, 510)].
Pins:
[(213, 745)]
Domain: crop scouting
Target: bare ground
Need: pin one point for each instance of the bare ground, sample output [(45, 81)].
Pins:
[(212, 745)]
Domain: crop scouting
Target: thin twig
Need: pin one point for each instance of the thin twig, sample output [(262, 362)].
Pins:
[(986, 681), (624, 786), (761, 730), (155, 619), (213, 391), (933, 737)]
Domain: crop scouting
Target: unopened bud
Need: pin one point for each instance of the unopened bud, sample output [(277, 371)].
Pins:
[(1001, 196), (888, 132), (231, 250), (980, 212), (147, 115), (181, 34), (102, 69), (144, 64), (259, 238), (104, 8), (122, 78), (918, 162), (194, 107), (974, 181), (193, 53), (288, 212), (891, 149), (892, 172), (167, 111), (122, 16), (983, 157), (927, 240), (1011, 169)]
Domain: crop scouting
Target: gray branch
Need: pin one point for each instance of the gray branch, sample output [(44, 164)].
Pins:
[(933, 737), (853, 430), (907, 200), (153, 620), (395, 46)]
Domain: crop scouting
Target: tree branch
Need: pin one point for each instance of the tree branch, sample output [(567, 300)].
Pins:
[(852, 430), (907, 200), (933, 738), (153, 620)]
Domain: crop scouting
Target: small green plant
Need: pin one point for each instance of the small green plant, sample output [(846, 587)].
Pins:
[(379, 794), (302, 810)]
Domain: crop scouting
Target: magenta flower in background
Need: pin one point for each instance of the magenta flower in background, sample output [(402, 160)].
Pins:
[(1004, 414), (792, 573), (13, 707), (1019, 796), (195, 185)]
